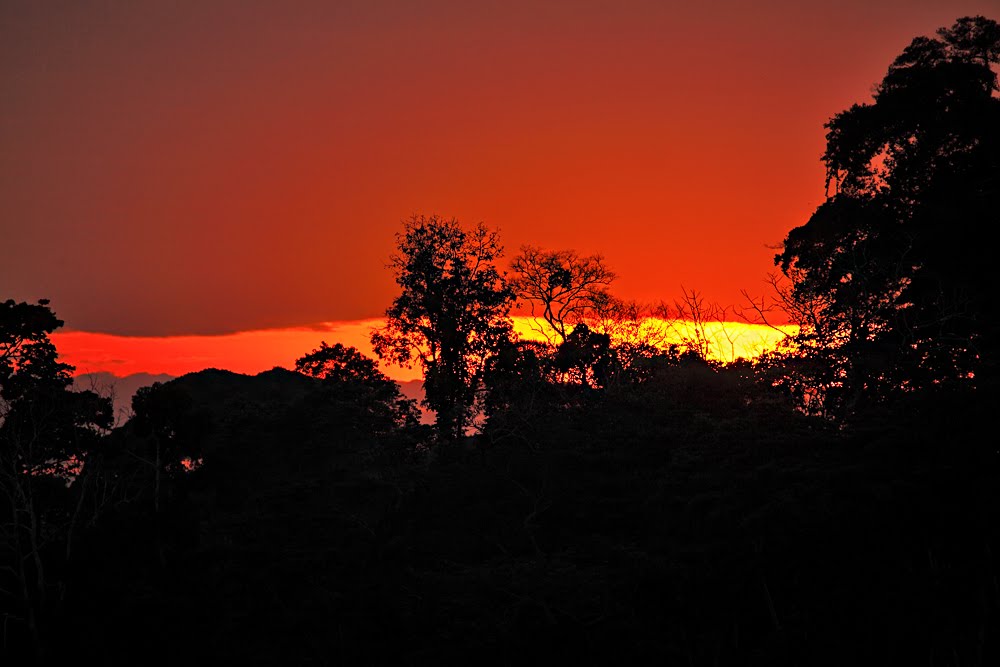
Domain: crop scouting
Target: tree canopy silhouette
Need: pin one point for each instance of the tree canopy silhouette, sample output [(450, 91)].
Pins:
[(349, 376), (48, 437), (888, 274), (166, 414), (565, 286), (451, 315)]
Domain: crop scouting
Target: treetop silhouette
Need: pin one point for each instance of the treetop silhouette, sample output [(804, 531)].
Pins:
[(891, 270), (568, 288), (347, 375), (451, 314)]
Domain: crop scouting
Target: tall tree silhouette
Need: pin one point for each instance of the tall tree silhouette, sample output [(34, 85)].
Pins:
[(451, 315), (891, 267), (167, 415), (48, 435)]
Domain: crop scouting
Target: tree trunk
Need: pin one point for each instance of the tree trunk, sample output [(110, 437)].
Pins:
[(156, 478)]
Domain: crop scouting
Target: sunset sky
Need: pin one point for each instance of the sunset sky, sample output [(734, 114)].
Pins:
[(202, 169)]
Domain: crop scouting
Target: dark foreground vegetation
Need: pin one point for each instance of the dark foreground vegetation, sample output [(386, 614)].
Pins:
[(679, 521), (600, 498)]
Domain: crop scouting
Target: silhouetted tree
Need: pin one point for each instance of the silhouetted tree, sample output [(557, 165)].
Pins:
[(166, 415), (585, 357), (699, 327), (520, 380), (451, 315), (640, 336), (48, 435), (565, 287), (889, 270), (340, 364), (352, 377)]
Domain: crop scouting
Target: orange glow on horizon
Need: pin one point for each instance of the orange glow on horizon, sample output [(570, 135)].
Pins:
[(248, 352), (252, 352), (723, 341)]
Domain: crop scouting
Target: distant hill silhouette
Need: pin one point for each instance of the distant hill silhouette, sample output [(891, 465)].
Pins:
[(219, 387), (218, 390), (229, 401), (224, 397)]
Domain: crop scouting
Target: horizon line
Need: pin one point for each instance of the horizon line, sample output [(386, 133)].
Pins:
[(256, 350)]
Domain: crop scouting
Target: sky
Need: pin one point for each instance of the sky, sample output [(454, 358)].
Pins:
[(214, 169)]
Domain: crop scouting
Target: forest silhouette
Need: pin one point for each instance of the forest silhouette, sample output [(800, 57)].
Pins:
[(607, 495)]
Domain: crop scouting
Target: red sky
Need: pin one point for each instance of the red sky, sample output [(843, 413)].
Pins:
[(217, 167)]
